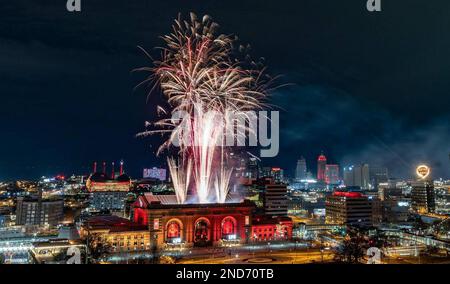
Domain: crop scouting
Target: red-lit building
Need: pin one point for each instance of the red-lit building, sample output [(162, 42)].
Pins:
[(214, 224), (321, 167), (108, 192), (100, 181), (271, 229), (350, 208)]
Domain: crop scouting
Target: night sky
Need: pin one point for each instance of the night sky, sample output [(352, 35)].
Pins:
[(364, 87)]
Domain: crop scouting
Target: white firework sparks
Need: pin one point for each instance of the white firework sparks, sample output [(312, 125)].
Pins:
[(198, 76)]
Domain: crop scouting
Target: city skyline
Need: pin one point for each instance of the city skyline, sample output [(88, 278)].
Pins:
[(231, 133)]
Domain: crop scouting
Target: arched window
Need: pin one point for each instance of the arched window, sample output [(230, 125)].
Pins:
[(173, 231), (201, 231), (228, 229)]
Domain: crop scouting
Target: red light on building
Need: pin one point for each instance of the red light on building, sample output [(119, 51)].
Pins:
[(321, 165), (348, 194), (228, 227), (322, 158), (156, 224), (173, 230)]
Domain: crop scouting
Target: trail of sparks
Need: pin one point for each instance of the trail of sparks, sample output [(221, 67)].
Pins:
[(180, 175), (197, 74)]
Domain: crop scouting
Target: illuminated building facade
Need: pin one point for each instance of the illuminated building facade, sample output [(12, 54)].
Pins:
[(253, 167), (350, 208), (275, 199), (277, 174), (39, 211), (378, 175), (155, 173), (389, 191), (423, 196), (173, 225), (108, 192), (119, 234), (244, 164), (100, 182), (301, 170), (321, 167), (357, 176), (395, 211), (271, 229)]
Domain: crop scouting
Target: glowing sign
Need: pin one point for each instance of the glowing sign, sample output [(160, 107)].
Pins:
[(231, 237), (423, 171)]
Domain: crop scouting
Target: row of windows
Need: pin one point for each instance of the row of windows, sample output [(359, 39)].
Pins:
[(122, 244), (128, 237), (264, 236), (130, 249), (265, 230)]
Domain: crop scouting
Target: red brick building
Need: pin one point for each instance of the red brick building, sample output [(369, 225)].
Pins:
[(213, 224)]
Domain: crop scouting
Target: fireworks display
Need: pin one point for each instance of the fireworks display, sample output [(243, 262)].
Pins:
[(200, 76)]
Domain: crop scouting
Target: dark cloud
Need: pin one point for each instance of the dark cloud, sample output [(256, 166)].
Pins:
[(367, 87), (351, 132)]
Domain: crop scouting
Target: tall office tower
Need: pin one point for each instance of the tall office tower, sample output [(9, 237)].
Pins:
[(300, 171), (39, 211), (273, 172), (253, 166), (277, 174), (357, 176), (378, 175), (389, 191), (237, 160), (321, 165), (275, 199), (332, 174), (349, 176), (423, 196)]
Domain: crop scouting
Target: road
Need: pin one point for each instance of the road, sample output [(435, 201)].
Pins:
[(263, 257)]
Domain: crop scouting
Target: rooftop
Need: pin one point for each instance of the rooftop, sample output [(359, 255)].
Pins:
[(112, 223), (170, 201)]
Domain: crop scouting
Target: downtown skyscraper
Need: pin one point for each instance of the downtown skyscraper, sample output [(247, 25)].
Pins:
[(301, 169), (321, 167)]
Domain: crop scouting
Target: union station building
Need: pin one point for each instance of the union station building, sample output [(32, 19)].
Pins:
[(173, 225)]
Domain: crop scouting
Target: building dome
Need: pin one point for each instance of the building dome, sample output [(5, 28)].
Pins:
[(123, 178), (322, 158), (98, 177)]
